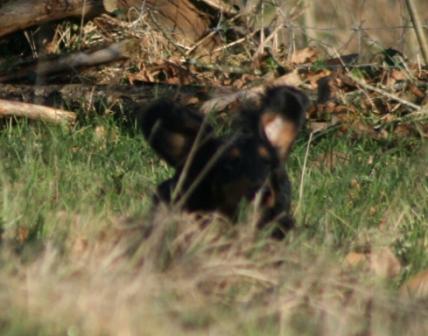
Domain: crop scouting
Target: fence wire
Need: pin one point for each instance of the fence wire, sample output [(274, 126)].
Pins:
[(349, 26)]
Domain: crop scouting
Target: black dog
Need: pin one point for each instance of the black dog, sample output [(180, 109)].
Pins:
[(216, 173)]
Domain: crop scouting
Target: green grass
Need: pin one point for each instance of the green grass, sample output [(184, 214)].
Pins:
[(73, 262)]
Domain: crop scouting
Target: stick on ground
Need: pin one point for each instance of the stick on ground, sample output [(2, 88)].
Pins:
[(36, 112)]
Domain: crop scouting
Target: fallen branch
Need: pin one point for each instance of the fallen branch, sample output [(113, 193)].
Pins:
[(36, 112), (421, 114), (221, 101), (221, 6), (383, 93), (21, 14), (113, 52), (90, 96)]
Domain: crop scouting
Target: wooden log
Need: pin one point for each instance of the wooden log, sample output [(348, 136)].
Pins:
[(90, 96), (180, 21), (16, 15), (36, 112), (72, 62), (179, 18)]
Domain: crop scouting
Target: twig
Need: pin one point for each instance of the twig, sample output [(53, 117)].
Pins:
[(36, 112), (214, 31), (266, 40), (238, 41), (221, 68), (220, 102), (302, 178), (418, 29), (383, 92), (421, 114), (205, 171), (189, 160), (198, 43), (113, 52), (221, 6)]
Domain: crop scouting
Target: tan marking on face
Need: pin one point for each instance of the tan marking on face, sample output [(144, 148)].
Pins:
[(234, 153), (280, 133), (269, 199), (263, 152), (178, 144), (286, 139), (267, 118)]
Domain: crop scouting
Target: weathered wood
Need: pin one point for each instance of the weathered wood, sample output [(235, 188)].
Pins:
[(89, 96), (16, 15), (114, 52), (221, 6), (36, 112), (179, 20)]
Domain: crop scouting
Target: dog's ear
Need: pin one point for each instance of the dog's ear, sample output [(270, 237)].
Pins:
[(282, 115), (171, 129)]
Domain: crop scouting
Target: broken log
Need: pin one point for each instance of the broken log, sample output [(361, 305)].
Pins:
[(16, 15), (91, 96), (179, 20), (36, 112), (68, 63)]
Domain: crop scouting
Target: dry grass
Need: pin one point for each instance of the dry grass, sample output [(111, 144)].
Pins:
[(185, 279)]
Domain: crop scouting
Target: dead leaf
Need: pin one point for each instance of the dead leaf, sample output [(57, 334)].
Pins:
[(403, 130), (395, 76), (363, 129), (110, 5), (304, 56), (416, 91), (292, 79), (356, 259), (22, 234), (314, 78), (318, 126)]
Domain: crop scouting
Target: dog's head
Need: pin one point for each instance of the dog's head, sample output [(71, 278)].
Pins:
[(281, 117), (277, 117)]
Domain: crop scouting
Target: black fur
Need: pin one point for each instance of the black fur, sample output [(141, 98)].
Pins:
[(222, 171)]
